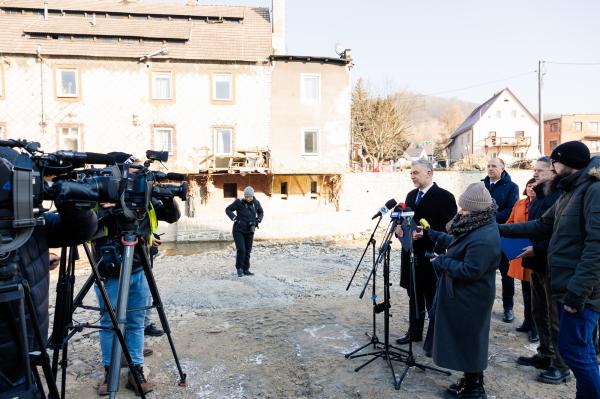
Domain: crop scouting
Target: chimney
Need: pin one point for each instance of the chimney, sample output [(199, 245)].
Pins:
[(278, 24)]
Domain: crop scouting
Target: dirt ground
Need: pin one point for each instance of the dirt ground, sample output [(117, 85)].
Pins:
[(283, 333)]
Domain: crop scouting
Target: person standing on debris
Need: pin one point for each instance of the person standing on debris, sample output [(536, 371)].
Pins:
[(246, 215), (505, 193)]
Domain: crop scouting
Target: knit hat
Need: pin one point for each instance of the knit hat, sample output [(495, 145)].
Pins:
[(476, 198), (248, 191), (573, 154)]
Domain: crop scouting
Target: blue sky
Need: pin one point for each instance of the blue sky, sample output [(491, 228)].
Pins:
[(435, 46)]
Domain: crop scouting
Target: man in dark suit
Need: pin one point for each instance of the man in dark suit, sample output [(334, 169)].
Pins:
[(437, 206)]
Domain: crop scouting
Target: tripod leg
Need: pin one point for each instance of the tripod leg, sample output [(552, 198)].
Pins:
[(157, 302)]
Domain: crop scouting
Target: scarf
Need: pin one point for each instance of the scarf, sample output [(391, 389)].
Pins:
[(462, 224)]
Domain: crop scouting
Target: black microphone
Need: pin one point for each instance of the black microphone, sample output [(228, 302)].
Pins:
[(384, 209), (85, 157)]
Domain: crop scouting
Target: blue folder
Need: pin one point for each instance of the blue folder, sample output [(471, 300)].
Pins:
[(512, 247)]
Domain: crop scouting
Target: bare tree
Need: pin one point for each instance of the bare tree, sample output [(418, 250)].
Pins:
[(380, 125), (450, 121)]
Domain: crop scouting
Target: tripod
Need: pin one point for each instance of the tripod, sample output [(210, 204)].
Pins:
[(15, 293), (383, 350), (409, 359)]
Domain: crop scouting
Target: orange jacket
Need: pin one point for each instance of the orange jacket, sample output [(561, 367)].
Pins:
[(519, 214)]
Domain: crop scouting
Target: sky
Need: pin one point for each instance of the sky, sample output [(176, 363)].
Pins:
[(438, 46)]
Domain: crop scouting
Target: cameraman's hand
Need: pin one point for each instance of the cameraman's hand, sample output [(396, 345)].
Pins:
[(156, 241), (107, 205), (54, 261), (399, 232)]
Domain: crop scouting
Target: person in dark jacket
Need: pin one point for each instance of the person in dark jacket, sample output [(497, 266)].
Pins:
[(544, 310), (68, 227), (467, 289), (246, 215), (505, 193), (437, 206), (573, 226)]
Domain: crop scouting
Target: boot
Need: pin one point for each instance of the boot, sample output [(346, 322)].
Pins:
[(525, 326), (103, 386), (146, 386), (473, 388), (455, 388)]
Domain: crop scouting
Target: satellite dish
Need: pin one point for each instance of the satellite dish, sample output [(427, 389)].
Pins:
[(339, 49)]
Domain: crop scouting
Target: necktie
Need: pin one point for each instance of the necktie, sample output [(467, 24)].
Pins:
[(419, 197), (492, 186)]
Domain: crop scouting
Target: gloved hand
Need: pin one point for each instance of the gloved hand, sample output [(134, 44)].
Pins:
[(433, 234)]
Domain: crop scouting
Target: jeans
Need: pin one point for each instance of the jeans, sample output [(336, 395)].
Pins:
[(148, 312), (134, 331), (576, 346), (243, 246)]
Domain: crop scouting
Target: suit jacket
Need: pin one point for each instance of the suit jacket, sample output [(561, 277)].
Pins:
[(438, 207)]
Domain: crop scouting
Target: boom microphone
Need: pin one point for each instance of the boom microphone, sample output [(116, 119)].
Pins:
[(384, 209)]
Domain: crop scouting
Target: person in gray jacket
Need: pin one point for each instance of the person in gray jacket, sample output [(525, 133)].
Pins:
[(467, 288), (573, 225)]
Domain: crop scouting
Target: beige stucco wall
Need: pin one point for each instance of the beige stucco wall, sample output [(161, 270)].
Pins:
[(115, 111), (290, 116)]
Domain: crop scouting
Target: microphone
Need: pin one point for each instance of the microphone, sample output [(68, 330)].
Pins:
[(407, 214), (85, 157), (384, 209), (424, 224)]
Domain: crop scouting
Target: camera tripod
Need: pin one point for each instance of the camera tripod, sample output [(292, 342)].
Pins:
[(63, 324), (14, 296)]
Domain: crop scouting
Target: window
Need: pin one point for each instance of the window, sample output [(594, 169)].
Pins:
[(518, 155), (554, 127), (594, 127), (313, 187), (498, 114), (311, 142), (491, 134), (577, 126), (553, 144), (284, 189), (311, 88), (514, 113), (229, 190), (519, 134), (162, 85), (69, 138), (163, 139), (67, 83), (223, 140), (222, 87)]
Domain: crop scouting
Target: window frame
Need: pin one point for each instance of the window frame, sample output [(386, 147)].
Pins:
[(303, 98), (303, 136), (80, 138), (58, 95), (577, 123), (216, 130), (594, 123), (154, 127), (173, 86), (213, 88)]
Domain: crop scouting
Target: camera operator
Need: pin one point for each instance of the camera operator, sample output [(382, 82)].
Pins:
[(139, 294), (248, 215), (70, 226)]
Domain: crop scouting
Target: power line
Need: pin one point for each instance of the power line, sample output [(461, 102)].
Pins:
[(572, 63), (480, 84)]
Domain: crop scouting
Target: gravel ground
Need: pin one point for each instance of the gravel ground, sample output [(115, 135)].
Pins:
[(283, 333)]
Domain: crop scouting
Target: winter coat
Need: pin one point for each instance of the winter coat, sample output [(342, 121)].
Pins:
[(519, 214), (545, 196), (70, 228), (573, 223), (465, 296), (245, 215), (505, 193), (437, 206)]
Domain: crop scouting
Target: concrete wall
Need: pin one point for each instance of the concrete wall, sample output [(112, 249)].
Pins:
[(115, 112), (331, 117), (363, 194)]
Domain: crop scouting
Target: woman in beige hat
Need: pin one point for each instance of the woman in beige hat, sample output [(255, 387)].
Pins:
[(467, 288)]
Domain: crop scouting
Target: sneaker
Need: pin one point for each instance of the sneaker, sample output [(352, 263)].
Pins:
[(145, 385), (102, 388), (536, 361), (153, 331), (555, 376)]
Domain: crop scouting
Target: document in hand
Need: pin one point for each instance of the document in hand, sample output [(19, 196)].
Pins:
[(512, 247)]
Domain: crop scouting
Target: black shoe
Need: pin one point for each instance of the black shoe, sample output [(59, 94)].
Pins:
[(455, 388), (508, 316), (524, 327), (537, 361), (248, 273), (153, 331), (407, 338), (240, 272), (533, 335), (554, 376), (472, 393)]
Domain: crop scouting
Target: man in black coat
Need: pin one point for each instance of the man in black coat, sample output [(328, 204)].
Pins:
[(68, 227), (246, 215), (505, 193), (438, 207)]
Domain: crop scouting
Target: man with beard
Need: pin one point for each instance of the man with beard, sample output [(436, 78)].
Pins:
[(543, 309)]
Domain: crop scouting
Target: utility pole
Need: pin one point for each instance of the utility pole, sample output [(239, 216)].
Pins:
[(540, 113)]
